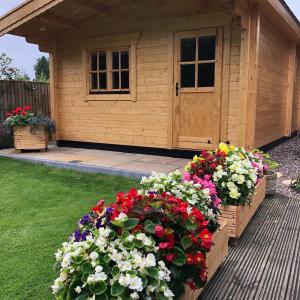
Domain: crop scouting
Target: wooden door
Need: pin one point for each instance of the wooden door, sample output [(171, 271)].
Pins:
[(198, 60)]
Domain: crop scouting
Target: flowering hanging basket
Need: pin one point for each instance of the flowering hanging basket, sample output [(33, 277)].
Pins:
[(25, 139), (214, 259), (239, 216)]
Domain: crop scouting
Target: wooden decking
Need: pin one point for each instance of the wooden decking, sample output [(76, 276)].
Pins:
[(266, 264)]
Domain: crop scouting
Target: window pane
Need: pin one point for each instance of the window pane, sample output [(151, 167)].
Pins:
[(102, 81), (115, 60), (188, 49), (94, 62), (125, 80), (206, 75), (94, 81), (124, 60), (187, 76), (102, 61), (115, 80), (207, 48)]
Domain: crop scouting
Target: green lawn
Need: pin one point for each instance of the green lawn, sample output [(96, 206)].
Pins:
[(39, 208)]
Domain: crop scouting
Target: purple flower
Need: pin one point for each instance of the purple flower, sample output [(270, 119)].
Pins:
[(109, 210), (85, 219), (77, 235)]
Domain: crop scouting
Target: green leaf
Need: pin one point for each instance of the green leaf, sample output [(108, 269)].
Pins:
[(56, 266), (71, 291), (191, 226), (186, 242), (98, 288), (87, 267), (128, 245), (179, 259), (139, 244), (152, 272), (117, 289), (106, 259), (161, 297), (176, 272), (150, 228), (84, 277), (83, 296), (115, 272), (125, 235), (131, 223), (62, 294), (102, 297)]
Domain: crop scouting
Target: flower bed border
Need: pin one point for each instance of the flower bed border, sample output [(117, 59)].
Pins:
[(24, 139), (238, 217), (214, 259)]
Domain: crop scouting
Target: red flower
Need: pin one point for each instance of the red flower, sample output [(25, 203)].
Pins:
[(190, 259), (203, 275), (23, 113), (164, 245), (7, 115), (206, 238), (170, 257), (27, 107), (159, 231), (191, 284), (197, 214), (199, 258)]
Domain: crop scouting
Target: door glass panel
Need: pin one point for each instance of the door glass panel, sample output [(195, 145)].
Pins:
[(188, 49), (207, 48), (187, 76), (206, 75), (94, 64)]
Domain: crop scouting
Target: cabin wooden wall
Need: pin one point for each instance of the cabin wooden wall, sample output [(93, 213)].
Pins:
[(234, 105), (141, 123), (273, 65), (296, 100), (147, 121)]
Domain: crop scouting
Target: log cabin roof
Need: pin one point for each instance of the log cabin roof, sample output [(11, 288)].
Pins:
[(39, 20)]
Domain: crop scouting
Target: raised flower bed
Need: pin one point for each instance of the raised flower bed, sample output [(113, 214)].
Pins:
[(240, 183), (31, 132)]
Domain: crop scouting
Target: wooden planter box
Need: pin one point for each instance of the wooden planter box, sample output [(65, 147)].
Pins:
[(238, 217), (26, 140), (214, 260)]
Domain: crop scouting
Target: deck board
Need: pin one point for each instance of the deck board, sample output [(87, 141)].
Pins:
[(266, 264)]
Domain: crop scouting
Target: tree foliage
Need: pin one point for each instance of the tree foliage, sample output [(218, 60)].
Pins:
[(8, 72), (41, 69)]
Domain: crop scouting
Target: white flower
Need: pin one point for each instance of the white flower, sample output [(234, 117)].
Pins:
[(78, 289), (134, 296), (94, 256), (58, 255), (98, 269), (63, 276), (136, 283), (121, 217), (168, 293), (234, 194), (66, 260), (150, 260)]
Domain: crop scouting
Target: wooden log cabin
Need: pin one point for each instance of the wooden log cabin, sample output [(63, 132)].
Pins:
[(167, 74)]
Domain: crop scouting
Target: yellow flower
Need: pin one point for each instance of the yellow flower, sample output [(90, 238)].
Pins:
[(241, 155), (223, 147), (231, 147), (195, 158)]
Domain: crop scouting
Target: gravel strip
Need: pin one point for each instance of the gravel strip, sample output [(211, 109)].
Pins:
[(288, 156)]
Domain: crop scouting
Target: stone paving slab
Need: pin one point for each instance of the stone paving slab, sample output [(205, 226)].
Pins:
[(101, 161)]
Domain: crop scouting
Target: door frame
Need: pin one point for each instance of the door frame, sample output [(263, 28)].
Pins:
[(219, 32)]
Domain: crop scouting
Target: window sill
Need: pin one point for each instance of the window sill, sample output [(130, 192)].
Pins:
[(109, 97)]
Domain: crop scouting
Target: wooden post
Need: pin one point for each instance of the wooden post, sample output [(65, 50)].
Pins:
[(225, 84), (53, 86), (290, 90), (249, 61)]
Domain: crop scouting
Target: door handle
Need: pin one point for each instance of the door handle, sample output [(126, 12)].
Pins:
[(177, 88)]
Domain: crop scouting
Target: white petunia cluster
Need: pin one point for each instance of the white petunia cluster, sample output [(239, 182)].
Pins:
[(132, 263)]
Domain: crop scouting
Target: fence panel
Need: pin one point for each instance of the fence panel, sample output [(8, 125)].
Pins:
[(21, 93)]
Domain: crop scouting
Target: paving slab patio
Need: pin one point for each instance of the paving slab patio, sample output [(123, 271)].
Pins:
[(112, 162)]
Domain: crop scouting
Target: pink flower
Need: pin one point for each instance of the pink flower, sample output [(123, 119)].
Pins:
[(159, 231)]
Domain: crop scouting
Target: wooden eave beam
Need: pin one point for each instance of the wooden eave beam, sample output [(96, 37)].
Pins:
[(96, 7), (59, 21), (25, 13)]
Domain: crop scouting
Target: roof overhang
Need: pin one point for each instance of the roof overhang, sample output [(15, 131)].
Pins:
[(28, 18)]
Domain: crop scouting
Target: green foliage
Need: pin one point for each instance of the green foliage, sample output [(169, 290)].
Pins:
[(272, 164), (8, 72), (296, 184), (41, 69)]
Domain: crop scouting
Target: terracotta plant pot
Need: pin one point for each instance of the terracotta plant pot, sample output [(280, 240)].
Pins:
[(271, 182), (239, 216), (214, 259), (25, 139)]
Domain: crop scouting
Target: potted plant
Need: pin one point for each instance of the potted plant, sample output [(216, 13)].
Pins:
[(296, 184), (270, 166), (239, 180), (31, 131)]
